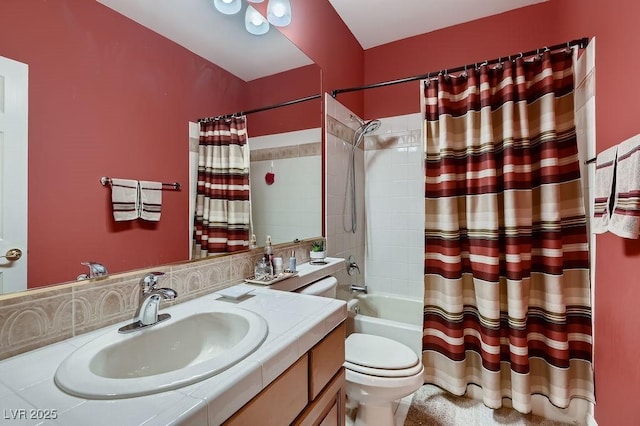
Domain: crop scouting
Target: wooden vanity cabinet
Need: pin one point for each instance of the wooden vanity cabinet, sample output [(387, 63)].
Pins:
[(310, 392), (328, 408)]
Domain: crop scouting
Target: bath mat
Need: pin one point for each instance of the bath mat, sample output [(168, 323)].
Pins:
[(432, 406)]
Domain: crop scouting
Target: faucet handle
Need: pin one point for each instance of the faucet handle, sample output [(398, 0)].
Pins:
[(352, 265), (95, 270), (149, 281)]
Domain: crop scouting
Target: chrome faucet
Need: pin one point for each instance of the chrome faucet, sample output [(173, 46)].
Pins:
[(150, 296), (352, 266), (360, 288), (95, 270)]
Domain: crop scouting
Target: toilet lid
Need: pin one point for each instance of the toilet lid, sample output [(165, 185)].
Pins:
[(319, 287), (375, 352)]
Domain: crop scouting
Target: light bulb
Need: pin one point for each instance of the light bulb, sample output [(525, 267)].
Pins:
[(255, 23), (228, 7), (279, 12)]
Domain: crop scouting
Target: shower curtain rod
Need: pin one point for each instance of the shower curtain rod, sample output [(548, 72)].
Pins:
[(266, 108), (581, 43)]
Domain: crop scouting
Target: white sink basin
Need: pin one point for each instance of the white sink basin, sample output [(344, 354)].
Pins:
[(180, 351)]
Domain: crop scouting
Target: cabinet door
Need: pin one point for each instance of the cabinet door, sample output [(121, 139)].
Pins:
[(328, 408), (280, 402), (325, 359), (331, 419)]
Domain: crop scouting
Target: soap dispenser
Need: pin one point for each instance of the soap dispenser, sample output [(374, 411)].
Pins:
[(268, 251), (263, 270), (292, 261)]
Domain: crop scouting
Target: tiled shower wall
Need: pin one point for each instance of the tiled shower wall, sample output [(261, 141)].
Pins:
[(388, 244), (341, 242), (394, 206)]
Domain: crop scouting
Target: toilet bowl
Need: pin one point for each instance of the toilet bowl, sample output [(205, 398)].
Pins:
[(378, 370)]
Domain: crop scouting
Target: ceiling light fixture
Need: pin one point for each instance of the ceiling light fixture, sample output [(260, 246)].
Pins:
[(228, 7), (279, 12), (254, 22)]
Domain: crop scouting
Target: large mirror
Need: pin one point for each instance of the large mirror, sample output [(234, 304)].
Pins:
[(107, 96)]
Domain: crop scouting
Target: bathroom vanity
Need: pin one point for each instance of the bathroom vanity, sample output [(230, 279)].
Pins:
[(294, 377), (310, 392)]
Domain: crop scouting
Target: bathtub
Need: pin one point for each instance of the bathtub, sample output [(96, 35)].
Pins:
[(386, 315)]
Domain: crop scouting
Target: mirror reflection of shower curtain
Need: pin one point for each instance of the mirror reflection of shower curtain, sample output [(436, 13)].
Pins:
[(223, 211), (507, 296)]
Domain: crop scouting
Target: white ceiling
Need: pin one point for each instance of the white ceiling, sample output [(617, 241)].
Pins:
[(222, 39), (376, 22)]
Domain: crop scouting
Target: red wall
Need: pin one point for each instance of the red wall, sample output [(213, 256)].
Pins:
[(295, 84), (114, 83), (108, 97), (455, 46), (615, 25), (320, 33)]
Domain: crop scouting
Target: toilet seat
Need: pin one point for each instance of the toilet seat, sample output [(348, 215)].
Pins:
[(380, 357), (380, 372)]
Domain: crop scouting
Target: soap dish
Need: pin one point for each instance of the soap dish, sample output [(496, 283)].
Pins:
[(283, 276), (235, 292)]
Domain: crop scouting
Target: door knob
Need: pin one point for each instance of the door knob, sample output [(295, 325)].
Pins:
[(12, 254)]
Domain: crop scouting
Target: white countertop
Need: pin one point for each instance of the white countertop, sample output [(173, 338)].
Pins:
[(308, 273), (296, 323)]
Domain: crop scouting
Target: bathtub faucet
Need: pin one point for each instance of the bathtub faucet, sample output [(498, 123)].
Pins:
[(352, 265), (360, 288)]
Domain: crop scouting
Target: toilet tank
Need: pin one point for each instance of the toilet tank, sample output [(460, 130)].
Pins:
[(326, 287)]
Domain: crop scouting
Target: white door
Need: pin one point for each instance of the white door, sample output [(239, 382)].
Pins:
[(13, 174)]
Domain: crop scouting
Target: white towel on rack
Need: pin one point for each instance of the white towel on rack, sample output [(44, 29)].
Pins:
[(625, 218), (124, 199), (150, 200), (605, 167)]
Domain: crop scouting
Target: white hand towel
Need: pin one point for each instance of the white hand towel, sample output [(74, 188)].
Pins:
[(605, 166), (124, 199), (150, 200), (625, 220)]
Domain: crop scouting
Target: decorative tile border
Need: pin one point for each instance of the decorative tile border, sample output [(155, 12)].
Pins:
[(404, 138), (40, 317), (339, 129), (35, 320), (283, 152), (400, 139)]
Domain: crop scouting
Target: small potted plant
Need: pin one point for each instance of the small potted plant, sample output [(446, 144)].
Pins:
[(317, 250)]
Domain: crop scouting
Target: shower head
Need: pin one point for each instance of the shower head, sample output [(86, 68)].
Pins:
[(366, 127), (370, 127)]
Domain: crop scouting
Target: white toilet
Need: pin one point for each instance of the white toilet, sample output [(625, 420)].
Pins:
[(378, 370)]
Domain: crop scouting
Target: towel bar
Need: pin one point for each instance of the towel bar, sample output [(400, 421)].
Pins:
[(104, 180)]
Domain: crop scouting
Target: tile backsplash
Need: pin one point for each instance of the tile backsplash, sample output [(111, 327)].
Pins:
[(40, 317)]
